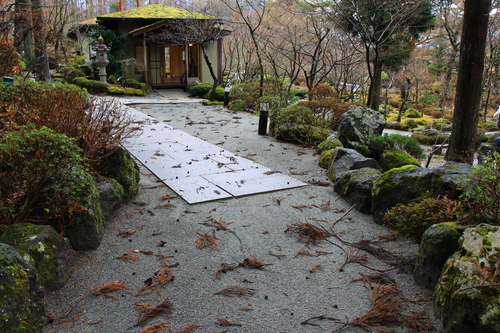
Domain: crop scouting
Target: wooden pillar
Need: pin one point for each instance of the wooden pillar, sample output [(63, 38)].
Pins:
[(186, 67), (145, 57)]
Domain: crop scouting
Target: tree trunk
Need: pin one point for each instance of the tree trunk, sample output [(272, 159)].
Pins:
[(211, 69), (376, 85), (469, 85), (41, 55), (450, 65)]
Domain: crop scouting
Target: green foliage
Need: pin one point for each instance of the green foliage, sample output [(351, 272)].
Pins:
[(412, 113), (428, 97), (200, 90), (330, 108), (379, 144), (414, 218), (43, 175), (112, 39), (482, 189), (330, 143), (131, 83), (410, 123), (91, 85), (237, 105), (431, 139), (116, 90), (70, 73), (299, 123), (248, 92), (219, 94)]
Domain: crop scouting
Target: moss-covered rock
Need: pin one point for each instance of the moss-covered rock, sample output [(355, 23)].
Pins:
[(22, 298), (111, 196), (396, 158), (326, 157), (304, 134), (42, 247), (85, 228), (355, 186), (357, 124), (467, 294), (123, 168), (345, 159), (439, 242), (330, 143)]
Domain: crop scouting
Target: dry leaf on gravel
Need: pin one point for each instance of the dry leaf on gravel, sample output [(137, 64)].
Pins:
[(224, 268), (140, 203), (271, 172), (319, 183), (253, 263), (207, 241), (316, 269), (226, 322), (147, 311), (126, 233), (165, 206), (105, 288), (236, 291), (167, 196), (156, 328)]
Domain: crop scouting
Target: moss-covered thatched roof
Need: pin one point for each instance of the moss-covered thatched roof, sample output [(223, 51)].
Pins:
[(155, 12), (92, 21)]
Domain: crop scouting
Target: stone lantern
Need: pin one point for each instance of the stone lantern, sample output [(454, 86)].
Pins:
[(101, 58)]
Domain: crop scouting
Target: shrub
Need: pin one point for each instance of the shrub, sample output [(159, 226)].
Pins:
[(91, 85), (411, 123), (116, 90), (482, 189), (414, 218), (219, 94), (39, 170), (396, 125), (237, 105), (330, 108), (200, 90), (412, 113), (98, 127), (70, 73), (9, 59), (490, 126), (431, 139), (321, 91), (379, 144), (131, 83), (299, 123), (436, 114)]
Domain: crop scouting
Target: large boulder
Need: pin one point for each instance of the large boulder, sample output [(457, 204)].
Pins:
[(122, 167), (22, 298), (345, 159), (355, 186), (42, 247), (331, 142), (85, 228), (410, 183), (438, 243), (111, 196), (468, 292), (356, 124)]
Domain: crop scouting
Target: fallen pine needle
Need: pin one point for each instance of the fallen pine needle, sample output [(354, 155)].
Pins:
[(189, 329), (105, 289), (155, 328), (207, 241), (147, 311)]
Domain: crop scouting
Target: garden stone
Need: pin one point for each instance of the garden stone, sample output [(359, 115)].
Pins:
[(467, 294), (85, 228), (325, 159), (410, 183), (22, 298), (111, 196), (399, 185), (396, 158), (124, 169), (357, 123), (331, 142), (345, 159), (438, 243), (355, 186), (42, 247)]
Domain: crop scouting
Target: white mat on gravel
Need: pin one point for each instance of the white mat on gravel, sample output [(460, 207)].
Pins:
[(196, 170)]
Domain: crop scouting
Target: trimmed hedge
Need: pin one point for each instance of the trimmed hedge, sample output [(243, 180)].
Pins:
[(91, 85)]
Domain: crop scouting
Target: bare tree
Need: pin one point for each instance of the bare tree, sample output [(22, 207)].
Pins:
[(469, 85)]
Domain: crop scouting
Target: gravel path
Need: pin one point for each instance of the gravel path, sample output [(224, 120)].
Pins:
[(155, 238)]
